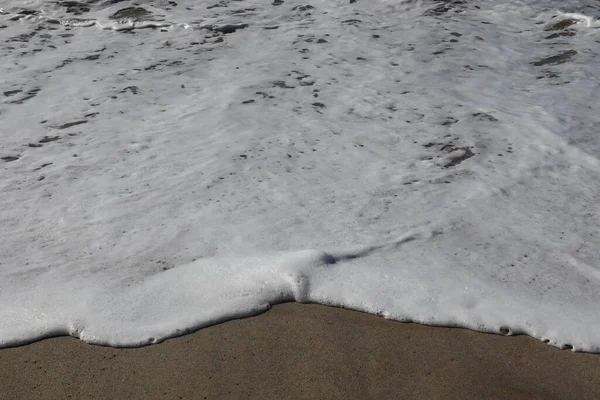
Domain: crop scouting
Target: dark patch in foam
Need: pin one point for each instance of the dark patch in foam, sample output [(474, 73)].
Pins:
[(12, 92), (454, 161), (242, 11), (485, 116), (562, 24), (548, 74), (557, 59), (23, 38), (449, 121), (221, 4), (229, 28), (282, 84), (111, 2), (450, 148), (444, 7), (28, 12), (29, 95), (132, 13), (42, 166), (63, 64), (303, 8), (48, 139), (74, 7), (92, 57), (561, 34), (70, 124), (132, 89)]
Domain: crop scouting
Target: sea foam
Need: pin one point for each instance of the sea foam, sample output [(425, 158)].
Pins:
[(426, 162)]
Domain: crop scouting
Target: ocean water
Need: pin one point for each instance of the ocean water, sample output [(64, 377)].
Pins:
[(168, 165)]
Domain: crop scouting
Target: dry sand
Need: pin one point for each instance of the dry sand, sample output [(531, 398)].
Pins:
[(304, 352)]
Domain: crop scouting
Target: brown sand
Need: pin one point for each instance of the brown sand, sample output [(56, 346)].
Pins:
[(304, 352)]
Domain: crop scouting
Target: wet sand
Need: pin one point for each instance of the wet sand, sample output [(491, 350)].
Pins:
[(304, 352)]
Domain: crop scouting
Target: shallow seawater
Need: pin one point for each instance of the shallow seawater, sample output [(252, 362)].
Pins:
[(168, 165)]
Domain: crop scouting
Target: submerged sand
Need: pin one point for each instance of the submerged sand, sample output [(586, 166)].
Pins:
[(304, 352)]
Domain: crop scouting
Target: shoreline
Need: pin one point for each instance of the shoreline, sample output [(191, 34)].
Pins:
[(304, 351)]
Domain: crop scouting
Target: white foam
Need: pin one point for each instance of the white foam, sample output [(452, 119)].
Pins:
[(444, 171)]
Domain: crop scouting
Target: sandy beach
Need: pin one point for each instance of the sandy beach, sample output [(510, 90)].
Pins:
[(299, 351), (165, 165)]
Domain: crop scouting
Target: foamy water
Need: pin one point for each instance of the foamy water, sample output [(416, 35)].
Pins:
[(173, 164)]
